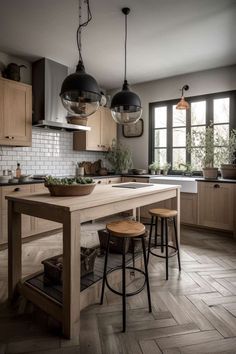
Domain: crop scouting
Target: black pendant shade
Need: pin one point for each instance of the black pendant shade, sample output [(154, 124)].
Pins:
[(126, 106), (80, 93)]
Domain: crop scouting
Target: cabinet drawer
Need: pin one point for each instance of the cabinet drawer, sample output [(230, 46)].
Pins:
[(135, 179), (100, 180), (13, 190), (112, 180)]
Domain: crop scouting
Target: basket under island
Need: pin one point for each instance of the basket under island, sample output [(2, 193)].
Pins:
[(105, 200)]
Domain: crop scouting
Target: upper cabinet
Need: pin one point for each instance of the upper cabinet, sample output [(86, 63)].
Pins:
[(99, 138), (15, 113)]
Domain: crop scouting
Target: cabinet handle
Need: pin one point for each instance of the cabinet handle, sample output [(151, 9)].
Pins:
[(9, 137), (134, 180), (98, 146), (109, 181), (99, 182), (17, 189), (216, 186)]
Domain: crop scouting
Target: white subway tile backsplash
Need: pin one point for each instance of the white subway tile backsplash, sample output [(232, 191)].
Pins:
[(51, 153)]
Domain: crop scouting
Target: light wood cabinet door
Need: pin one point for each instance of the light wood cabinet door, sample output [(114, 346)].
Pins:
[(108, 128), (26, 225), (99, 138), (188, 208), (216, 205), (16, 113), (42, 225)]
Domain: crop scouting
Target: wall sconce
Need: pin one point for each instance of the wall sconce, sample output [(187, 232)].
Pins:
[(182, 104)]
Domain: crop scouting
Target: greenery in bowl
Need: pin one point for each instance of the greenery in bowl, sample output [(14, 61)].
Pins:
[(54, 181), (119, 156)]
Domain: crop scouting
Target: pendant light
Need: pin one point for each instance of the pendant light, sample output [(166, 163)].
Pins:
[(80, 93), (182, 104), (126, 105)]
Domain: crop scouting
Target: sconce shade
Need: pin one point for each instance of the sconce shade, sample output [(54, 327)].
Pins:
[(80, 93), (182, 104)]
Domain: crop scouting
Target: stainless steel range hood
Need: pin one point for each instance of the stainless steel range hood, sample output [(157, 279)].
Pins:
[(48, 111)]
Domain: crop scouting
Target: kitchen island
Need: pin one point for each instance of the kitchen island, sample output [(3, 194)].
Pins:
[(71, 212)]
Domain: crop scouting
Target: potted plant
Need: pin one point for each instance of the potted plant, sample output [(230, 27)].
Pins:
[(227, 155), (201, 146), (155, 168), (120, 157), (166, 168)]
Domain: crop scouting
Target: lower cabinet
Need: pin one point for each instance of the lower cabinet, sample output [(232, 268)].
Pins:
[(217, 205), (188, 208), (30, 225), (42, 225)]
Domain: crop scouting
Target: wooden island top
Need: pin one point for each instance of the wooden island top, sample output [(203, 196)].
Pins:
[(71, 212)]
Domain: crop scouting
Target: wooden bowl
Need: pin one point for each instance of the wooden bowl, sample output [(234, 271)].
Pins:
[(70, 190)]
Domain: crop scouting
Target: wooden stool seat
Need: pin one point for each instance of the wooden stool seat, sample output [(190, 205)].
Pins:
[(126, 228), (163, 213)]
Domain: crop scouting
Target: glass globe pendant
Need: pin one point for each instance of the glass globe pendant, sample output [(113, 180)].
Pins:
[(80, 93), (126, 105)]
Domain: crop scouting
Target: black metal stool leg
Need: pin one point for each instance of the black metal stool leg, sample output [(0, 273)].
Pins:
[(156, 224), (150, 239), (105, 268), (124, 286), (146, 275), (166, 244), (177, 243), (132, 240), (162, 235)]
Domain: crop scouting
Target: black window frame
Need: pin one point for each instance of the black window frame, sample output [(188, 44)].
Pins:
[(209, 117)]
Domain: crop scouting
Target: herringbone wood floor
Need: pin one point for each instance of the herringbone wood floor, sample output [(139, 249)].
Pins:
[(194, 312)]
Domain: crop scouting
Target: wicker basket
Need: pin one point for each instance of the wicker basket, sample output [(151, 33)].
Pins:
[(53, 267), (70, 190)]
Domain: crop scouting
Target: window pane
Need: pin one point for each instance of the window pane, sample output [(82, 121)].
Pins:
[(221, 156), (222, 131), (160, 117), (160, 138), (179, 136), (160, 156), (179, 117), (198, 113), (196, 134), (221, 110), (195, 162), (179, 156)]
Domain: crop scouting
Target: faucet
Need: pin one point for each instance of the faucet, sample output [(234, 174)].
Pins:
[(188, 169)]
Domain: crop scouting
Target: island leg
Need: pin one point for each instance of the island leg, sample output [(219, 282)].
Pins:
[(14, 249), (71, 276)]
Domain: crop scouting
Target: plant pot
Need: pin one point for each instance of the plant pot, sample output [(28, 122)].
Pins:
[(158, 172), (152, 172), (210, 172), (228, 171)]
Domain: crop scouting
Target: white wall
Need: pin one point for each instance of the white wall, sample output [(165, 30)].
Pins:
[(51, 153), (204, 82)]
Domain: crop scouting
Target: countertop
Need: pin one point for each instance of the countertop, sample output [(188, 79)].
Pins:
[(216, 180)]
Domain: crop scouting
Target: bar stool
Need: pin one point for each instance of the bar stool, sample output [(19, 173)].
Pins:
[(164, 215), (126, 229)]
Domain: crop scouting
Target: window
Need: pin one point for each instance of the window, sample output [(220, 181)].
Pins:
[(169, 127)]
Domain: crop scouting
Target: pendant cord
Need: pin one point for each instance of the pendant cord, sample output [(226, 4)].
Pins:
[(125, 46), (82, 25)]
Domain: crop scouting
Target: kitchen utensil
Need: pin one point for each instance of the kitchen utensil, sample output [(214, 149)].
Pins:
[(12, 71)]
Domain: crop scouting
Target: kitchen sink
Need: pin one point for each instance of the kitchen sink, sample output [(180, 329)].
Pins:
[(188, 184)]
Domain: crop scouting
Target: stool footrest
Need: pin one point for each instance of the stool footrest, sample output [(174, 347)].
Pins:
[(130, 293), (169, 255)]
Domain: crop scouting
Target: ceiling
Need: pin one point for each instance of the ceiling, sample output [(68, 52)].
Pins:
[(165, 37)]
